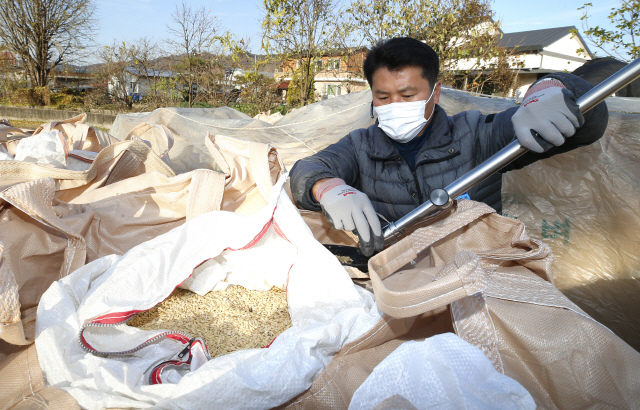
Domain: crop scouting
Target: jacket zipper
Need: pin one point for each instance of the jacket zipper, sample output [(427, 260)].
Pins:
[(415, 178)]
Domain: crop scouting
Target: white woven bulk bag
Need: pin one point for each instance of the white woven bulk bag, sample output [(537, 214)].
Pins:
[(81, 312)]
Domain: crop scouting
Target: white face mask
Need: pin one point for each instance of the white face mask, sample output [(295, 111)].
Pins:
[(403, 121)]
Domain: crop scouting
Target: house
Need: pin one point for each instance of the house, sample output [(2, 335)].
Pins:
[(536, 53), (337, 72), (138, 83), (71, 77), (545, 51)]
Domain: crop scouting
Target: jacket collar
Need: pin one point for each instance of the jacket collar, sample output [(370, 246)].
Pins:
[(382, 148)]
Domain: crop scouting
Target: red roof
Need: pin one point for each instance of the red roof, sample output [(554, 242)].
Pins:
[(283, 85)]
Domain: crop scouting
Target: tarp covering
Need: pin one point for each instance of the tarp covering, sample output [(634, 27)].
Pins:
[(298, 134), (585, 203)]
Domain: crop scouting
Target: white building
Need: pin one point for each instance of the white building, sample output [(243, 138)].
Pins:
[(535, 54), (137, 82), (545, 51)]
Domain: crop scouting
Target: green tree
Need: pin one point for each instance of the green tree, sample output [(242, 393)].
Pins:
[(623, 41), (299, 31), (302, 85), (258, 91)]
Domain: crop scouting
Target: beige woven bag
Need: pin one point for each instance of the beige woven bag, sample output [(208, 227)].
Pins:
[(158, 137), (79, 135), (480, 275), (113, 163), (10, 136), (51, 238), (250, 169), (46, 239)]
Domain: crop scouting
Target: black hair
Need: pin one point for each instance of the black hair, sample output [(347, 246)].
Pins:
[(401, 52)]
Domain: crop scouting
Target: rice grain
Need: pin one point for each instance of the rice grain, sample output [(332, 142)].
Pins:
[(228, 320)]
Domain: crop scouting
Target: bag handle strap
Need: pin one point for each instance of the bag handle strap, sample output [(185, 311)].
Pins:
[(462, 278), (260, 156), (80, 136), (103, 137), (77, 120), (35, 198), (205, 192), (137, 151), (260, 168)]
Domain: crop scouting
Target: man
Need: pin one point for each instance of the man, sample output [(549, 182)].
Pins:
[(390, 168)]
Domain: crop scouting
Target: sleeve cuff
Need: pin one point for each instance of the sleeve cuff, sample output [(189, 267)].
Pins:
[(329, 185), (542, 84)]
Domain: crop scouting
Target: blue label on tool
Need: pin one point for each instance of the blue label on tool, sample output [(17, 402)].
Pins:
[(464, 196)]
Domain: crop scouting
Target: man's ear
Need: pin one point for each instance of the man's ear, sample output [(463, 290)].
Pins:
[(436, 93)]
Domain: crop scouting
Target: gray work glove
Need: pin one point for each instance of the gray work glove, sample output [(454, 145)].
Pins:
[(349, 209), (546, 118)]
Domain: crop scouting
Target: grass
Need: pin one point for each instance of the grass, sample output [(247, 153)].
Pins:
[(32, 125)]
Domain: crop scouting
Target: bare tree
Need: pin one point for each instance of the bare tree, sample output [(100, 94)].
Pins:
[(147, 58), (192, 34), (45, 33), (124, 66)]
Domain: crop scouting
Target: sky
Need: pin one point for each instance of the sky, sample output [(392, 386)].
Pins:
[(127, 20)]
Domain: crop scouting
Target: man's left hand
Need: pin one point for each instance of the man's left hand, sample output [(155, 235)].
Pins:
[(546, 117)]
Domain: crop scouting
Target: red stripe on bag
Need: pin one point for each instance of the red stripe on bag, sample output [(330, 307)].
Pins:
[(156, 373), (279, 232), (78, 157), (85, 343), (204, 347), (115, 318), (259, 237), (179, 337)]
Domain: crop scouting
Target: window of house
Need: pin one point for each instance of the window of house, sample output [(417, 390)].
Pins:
[(333, 64), (333, 90), (319, 64)]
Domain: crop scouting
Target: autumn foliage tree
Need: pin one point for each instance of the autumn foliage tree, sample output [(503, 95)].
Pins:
[(462, 32), (299, 31)]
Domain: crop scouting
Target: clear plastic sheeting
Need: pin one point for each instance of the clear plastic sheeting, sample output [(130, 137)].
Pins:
[(624, 105), (586, 205), (298, 134)]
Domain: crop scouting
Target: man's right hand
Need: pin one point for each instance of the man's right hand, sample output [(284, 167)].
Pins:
[(347, 208)]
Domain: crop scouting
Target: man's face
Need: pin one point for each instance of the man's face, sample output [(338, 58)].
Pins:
[(404, 85)]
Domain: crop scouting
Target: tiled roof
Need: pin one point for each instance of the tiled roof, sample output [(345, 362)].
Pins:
[(534, 40)]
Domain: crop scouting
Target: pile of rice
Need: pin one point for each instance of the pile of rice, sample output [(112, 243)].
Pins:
[(228, 320)]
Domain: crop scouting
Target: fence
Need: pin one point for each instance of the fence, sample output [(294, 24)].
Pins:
[(46, 115)]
